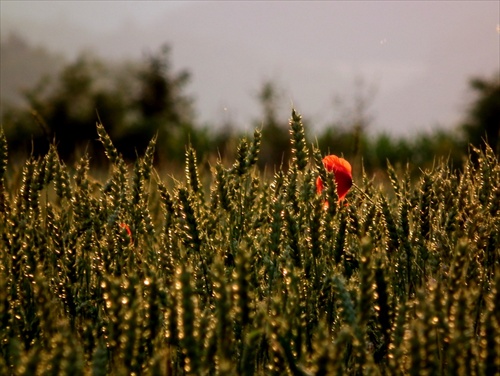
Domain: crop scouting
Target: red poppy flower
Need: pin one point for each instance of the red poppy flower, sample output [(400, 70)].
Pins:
[(129, 231), (343, 175)]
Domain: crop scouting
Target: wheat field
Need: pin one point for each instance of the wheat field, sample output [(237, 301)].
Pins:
[(241, 274)]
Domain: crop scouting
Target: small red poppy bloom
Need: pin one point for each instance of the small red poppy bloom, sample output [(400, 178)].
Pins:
[(343, 175), (129, 231)]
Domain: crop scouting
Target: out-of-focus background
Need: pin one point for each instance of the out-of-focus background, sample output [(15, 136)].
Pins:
[(398, 81)]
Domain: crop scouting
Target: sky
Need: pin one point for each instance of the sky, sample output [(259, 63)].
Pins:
[(409, 61)]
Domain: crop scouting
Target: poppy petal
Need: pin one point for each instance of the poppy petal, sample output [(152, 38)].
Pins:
[(343, 175)]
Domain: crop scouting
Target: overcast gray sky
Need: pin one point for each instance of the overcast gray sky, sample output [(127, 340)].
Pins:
[(417, 56)]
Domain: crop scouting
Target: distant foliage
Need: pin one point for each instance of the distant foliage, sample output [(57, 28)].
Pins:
[(483, 122), (239, 274), (136, 101)]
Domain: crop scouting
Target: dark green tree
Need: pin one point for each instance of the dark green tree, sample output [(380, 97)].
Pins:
[(483, 117), (275, 148), (65, 110), (134, 101), (162, 108), (161, 92)]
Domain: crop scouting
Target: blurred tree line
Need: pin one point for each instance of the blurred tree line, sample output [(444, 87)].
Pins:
[(136, 102)]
